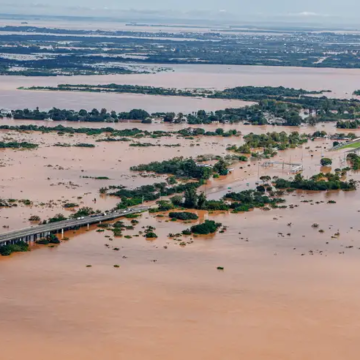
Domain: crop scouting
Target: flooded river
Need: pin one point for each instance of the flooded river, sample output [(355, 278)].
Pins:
[(287, 292), (51, 176), (342, 83)]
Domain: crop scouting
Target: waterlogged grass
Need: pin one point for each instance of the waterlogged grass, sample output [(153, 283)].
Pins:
[(355, 145)]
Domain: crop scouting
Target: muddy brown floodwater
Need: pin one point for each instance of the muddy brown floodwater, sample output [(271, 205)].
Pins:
[(287, 292), (342, 83)]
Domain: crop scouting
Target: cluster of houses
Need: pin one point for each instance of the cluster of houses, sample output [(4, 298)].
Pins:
[(5, 112), (160, 119), (183, 119)]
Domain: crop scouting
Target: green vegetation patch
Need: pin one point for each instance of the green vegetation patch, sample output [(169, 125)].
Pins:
[(6, 250), (208, 227), (183, 216), (354, 145)]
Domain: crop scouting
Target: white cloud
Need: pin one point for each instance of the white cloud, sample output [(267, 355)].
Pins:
[(308, 14)]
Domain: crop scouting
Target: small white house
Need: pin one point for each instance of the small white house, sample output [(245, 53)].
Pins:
[(157, 120), (5, 112)]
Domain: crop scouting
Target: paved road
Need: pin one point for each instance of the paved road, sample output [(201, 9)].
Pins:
[(58, 226)]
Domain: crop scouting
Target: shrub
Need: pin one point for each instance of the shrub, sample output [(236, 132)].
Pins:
[(187, 232), (183, 216), (53, 239), (70, 205), (119, 224), (177, 200), (208, 227), (151, 235), (164, 205), (56, 218), (50, 239), (117, 232), (6, 250), (132, 216), (34, 218), (82, 212), (42, 242), (326, 162)]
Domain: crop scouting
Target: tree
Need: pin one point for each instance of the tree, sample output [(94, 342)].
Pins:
[(265, 178), (201, 201), (171, 180), (311, 120), (164, 205), (201, 114), (353, 184), (169, 117), (94, 112), (326, 162), (138, 114), (191, 198), (221, 167), (56, 218), (179, 117), (84, 211), (298, 178), (177, 200)]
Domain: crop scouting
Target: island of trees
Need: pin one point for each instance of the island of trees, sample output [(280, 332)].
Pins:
[(121, 135), (17, 145), (185, 168), (270, 143), (247, 93), (319, 182), (278, 106)]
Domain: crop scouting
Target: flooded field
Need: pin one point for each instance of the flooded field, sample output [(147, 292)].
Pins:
[(287, 291), (51, 176), (17, 99), (342, 83), (329, 127)]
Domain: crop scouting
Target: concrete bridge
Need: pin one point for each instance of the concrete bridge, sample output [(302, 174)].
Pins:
[(38, 232)]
